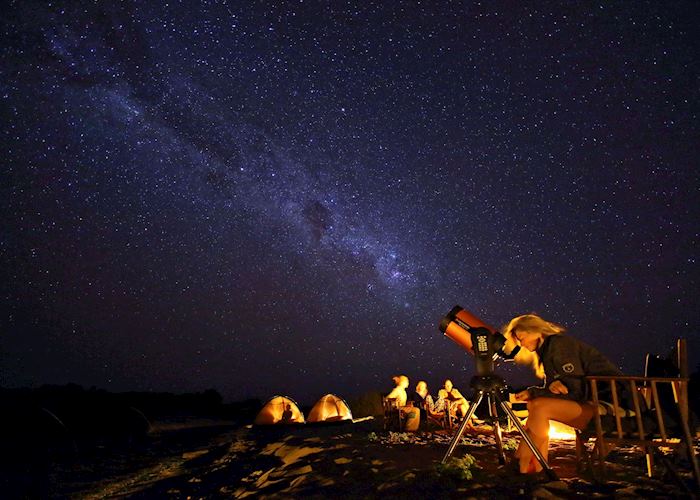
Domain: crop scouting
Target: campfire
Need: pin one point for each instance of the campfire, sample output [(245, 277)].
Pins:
[(557, 430)]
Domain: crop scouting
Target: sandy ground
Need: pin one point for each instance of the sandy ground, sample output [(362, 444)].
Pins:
[(347, 461)]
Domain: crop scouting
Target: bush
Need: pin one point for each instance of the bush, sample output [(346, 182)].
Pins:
[(510, 444), (458, 468)]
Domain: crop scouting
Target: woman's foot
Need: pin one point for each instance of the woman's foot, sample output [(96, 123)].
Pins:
[(531, 466)]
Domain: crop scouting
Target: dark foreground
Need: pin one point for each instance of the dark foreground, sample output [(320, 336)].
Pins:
[(347, 461)]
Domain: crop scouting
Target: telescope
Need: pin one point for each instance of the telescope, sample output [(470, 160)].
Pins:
[(476, 337), (485, 344)]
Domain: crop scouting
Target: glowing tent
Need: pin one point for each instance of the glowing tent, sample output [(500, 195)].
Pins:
[(330, 408), (279, 410)]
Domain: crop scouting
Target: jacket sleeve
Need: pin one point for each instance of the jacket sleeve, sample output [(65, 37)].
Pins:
[(563, 362), (538, 392)]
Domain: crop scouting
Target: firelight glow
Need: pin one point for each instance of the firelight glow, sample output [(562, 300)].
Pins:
[(557, 430)]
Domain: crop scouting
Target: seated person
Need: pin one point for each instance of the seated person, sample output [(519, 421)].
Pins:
[(399, 392), (456, 401), (287, 414), (422, 397), (424, 401), (441, 403), (564, 361)]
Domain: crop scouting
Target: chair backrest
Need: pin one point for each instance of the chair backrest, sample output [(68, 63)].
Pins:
[(390, 404), (650, 416), (675, 365), (682, 365), (659, 407), (392, 413)]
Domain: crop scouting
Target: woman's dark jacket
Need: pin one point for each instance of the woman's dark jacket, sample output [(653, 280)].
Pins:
[(570, 360)]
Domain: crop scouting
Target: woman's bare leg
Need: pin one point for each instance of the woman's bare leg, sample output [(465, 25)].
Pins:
[(463, 407), (540, 412)]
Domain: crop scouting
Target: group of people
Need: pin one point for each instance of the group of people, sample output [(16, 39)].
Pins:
[(448, 397), (561, 360)]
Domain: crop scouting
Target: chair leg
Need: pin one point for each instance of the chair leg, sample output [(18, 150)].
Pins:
[(579, 448), (599, 454), (585, 460), (648, 453)]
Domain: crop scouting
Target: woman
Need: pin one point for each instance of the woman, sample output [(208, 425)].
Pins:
[(422, 397), (425, 401), (456, 400), (442, 403), (565, 362), (399, 392)]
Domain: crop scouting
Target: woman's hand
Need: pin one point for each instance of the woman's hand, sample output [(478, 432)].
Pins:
[(558, 387), (522, 395)]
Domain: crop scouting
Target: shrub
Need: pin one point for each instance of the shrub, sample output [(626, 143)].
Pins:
[(510, 444), (458, 468)]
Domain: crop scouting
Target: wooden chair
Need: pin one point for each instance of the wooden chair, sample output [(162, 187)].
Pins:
[(393, 418), (443, 419), (647, 425)]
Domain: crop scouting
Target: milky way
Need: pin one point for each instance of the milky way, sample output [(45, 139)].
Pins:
[(287, 198)]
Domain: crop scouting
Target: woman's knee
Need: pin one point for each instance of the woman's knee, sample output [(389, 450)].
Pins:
[(536, 405)]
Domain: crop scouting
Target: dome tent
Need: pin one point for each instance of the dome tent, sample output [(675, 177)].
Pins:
[(279, 410), (330, 408)]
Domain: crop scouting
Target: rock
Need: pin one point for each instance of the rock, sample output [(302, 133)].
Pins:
[(386, 486), (628, 492), (557, 486), (263, 477), (242, 493), (544, 493), (306, 469), (194, 454), (269, 483), (295, 482), (326, 481), (271, 448)]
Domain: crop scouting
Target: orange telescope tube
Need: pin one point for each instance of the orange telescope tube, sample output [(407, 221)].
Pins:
[(456, 325)]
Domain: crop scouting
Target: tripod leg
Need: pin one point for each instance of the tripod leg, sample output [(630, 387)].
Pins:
[(552, 475), (497, 435), (455, 439)]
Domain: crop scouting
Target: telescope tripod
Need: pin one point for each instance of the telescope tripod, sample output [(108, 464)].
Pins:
[(491, 386)]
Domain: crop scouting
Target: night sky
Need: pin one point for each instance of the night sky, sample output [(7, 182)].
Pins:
[(286, 197)]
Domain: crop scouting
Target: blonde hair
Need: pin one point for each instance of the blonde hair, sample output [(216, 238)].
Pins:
[(534, 324), (401, 381)]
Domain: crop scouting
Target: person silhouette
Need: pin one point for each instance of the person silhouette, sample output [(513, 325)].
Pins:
[(287, 414)]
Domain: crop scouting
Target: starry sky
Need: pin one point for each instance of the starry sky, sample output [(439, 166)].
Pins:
[(286, 197)]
